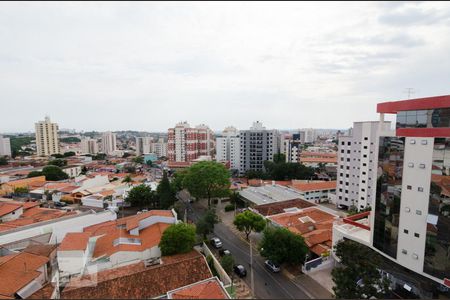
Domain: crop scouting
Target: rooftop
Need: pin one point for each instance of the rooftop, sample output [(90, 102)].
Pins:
[(17, 270), (74, 241), (308, 186), (138, 281), (281, 207), (269, 194), (206, 289)]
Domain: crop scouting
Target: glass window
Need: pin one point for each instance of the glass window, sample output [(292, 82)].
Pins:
[(387, 202)]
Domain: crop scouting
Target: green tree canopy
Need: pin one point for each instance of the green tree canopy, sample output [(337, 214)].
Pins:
[(227, 263), (138, 159), (207, 179), (54, 173), (127, 179), (70, 140), (68, 154), (34, 174), (165, 193), (58, 162), (358, 263), (3, 161), (205, 225), (279, 158), (57, 155), (177, 180), (99, 156), (177, 238), (249, 221), (142, 195), (282, 246)]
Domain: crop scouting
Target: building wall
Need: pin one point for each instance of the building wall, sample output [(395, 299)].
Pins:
[(71, 262), (89, 146), (357, 165), (228, 148), (72, 171), (109, 143), (5, 146), (47, 142), (14, 215), (186, 144)]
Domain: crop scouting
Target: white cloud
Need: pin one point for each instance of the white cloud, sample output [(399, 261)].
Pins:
[(146, 66)]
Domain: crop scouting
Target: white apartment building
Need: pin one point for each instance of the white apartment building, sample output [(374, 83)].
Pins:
[(256, 146), (292, 147), (109, 143), (310, 135), (47, 142), (143, 145), (409, 223), (357, 165), (5, 146), (89, 146), (228, 147), (159, 148)]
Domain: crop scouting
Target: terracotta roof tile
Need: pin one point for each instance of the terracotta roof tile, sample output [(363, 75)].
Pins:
[(278, 207), (209, 289), (74, 241), (7, 208), (41, 250), (17, 270), (314, 185), (138, 281)]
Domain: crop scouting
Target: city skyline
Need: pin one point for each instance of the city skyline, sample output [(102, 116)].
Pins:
[(217, 64)]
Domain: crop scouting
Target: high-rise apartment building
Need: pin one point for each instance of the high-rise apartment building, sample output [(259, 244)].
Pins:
[(409, 223), (5, 146), (143, 145), (89, 146), (109, 143), (357, 165), (186, 143), (159, 148), (47, 142), (310, 135), (257, 145), (292, 148), (228, 147)]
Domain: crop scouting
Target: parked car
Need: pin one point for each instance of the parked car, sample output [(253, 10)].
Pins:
[(216, 243), (60, 204), (240, 270), (272, 266), (224, 252)]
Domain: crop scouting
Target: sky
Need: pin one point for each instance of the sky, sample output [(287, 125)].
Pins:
[(147, 66)]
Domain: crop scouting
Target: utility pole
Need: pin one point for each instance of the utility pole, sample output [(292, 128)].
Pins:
[(409, 91)]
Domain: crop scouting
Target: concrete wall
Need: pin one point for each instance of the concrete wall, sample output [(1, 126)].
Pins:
[(14, 215), (71, 262)]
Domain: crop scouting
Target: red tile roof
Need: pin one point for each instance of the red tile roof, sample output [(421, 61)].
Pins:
[(314, 185), (7, 208), (318, 160), (138, 281), (209, 289), (18, 270), (279, 207), (74, 241)]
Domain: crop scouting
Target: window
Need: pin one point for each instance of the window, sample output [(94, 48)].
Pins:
[(404, 251), (424, 142), (416, 234), (365, 147), (366, 138), (409, 187), (412, 142), (420, 189), (348, 151), (422, 166), (349, 143), (418, 212), (405, 231), (411, 165)]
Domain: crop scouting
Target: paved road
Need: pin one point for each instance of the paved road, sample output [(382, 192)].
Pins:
[(267, 284)]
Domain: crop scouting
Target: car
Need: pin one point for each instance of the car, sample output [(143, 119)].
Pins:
[(272, 266), (216, 243), (240, 270), (60, 204), (224, 252)]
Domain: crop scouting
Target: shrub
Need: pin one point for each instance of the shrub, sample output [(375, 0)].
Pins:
[(229, 207)]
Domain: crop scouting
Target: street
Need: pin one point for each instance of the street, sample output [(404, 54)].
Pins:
[(268, 285)]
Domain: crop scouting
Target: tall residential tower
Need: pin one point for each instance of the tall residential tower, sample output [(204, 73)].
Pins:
[(47, 142)]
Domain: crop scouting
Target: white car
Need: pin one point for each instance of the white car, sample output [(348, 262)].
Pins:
[(216, 243)]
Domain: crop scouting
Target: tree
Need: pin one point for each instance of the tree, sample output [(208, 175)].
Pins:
[(54, 173), (138, 160), (70, 140), (84, 170), (249, 221), (126, 154), (207, 179), (130, 169), (21, 190), (177, 238), (68, 154), (279, 158), (127, 180), (205, 224), (282, 246), (149, 163), (165, 193), (57, 155), (34, 174), (142, 195), (358, 277), (227, 263), (3, 161), (177, 181), (99, 156), (58, 162)]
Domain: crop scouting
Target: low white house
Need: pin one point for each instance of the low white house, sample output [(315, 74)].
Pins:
[(10, 211), (73, 253), (72, 171)]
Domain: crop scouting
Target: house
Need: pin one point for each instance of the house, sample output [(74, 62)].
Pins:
[(314, 190), (116, 243), (28, 183), (281, 207), (22, 274), (312, 223), (72, 170), (139, 280), (210, 288), (10, 211)]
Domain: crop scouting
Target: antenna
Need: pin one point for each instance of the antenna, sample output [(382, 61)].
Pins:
[(410, 91)]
